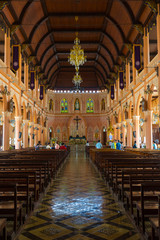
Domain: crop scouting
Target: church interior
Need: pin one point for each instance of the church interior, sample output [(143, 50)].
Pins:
[(79, 119)]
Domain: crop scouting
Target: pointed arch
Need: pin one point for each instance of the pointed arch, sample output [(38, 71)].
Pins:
[(16, 105)]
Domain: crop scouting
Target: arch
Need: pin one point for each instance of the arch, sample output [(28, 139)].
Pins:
[(137, 105), (64, 106), (16, 105), (24, 111), (51, 105), (102, 104), (90, 105), (77, 104)]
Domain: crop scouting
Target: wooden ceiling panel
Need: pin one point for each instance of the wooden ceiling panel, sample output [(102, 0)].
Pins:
[(109, 46), (70, 36), (53, 70), (118, 10), (30, 18), (20, 36), (104, 63), (70, 23), (43, 46), (41, 31), (47, 56), (145, 15), (49, 65), (115, 34), (133, 35), (18, 6), (76, 6), (135, 5), (9, 15)]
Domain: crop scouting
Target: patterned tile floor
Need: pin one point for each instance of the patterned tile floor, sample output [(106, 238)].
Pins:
[(78, 206)]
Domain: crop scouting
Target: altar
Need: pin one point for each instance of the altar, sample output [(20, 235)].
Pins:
[(77, 130)]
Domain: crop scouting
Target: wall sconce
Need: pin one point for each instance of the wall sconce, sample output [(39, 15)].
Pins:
[(148, 90), (5, 91)]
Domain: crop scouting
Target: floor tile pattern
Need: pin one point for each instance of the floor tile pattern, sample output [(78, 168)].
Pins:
[(78, 206)]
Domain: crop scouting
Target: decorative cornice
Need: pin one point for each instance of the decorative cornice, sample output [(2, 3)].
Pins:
[(152, 5), (3, 4), (14, 28)]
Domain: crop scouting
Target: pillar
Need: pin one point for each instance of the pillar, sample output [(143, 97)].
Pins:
[(118, 131), (5, 118), (36, 134), (146, 51), (19, 72), (26, 75), (127, 75), (43, 136), (25, 133), (39, 132), (31, 141), (17, 131), (115, 132), (136, 129), (158, 31), (133, 69), (129, 133), (7, 50), (124, 133), (149, 134)]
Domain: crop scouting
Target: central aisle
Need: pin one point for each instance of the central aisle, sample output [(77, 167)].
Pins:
[(78, 206)]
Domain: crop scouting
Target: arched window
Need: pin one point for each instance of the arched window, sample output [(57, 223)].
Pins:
[(89, 105), (103, 105), (64, 106), (50, 105), (77, 104)]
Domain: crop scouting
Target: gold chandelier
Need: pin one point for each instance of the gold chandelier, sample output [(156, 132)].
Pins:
[(76, 57), (77, 79)]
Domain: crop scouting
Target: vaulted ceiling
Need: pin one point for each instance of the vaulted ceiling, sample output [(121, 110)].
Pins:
[(46, 29)]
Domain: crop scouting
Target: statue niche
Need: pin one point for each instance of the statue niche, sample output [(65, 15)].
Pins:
[(77, 105)]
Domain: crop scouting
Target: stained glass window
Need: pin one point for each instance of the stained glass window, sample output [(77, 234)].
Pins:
[(89, 105), (64, 106)]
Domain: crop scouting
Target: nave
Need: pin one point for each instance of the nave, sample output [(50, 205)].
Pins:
[(78, 205)]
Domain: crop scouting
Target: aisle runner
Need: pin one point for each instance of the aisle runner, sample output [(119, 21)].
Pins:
[(78, 206)]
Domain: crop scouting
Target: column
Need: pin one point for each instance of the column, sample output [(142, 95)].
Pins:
[(136, 129), (43, 136), (129, 133), (118, 131), (158, 31), (19, 72), (115, 132), (134, 70), (25, 133), (36, 134), (17, 131), (36, 89), (31, 140), (39, 132), (127, 75), (5, 118), (149, 134), (7, 50), (124, 133), (146, 52), (26, 75)]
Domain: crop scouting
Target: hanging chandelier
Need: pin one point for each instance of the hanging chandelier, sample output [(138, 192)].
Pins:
[(76, 57), (77, 79)]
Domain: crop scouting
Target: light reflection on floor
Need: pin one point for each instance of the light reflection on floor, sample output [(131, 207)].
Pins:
[(78, 206)]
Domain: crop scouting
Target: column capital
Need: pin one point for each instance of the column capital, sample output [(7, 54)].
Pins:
[(136, 117), (25, 120), (31, 123), (18, 117), (128, 120)]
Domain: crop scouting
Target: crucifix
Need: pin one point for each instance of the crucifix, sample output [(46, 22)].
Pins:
[(77, 120)]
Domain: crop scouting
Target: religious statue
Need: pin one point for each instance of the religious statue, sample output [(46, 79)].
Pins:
[(77, 105)]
